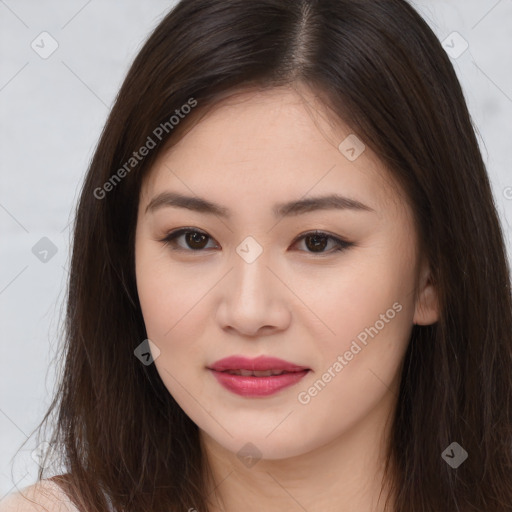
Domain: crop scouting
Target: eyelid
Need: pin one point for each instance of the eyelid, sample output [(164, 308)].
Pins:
[(172, 235), (341, 243)]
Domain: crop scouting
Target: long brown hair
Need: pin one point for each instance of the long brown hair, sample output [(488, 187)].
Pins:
[(378, 66)]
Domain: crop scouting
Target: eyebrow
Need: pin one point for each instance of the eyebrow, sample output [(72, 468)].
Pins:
[(298, 207)]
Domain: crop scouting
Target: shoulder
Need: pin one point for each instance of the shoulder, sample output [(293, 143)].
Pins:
[(43, 496)]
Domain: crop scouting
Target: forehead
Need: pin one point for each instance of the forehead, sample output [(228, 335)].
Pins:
[(279, 144)]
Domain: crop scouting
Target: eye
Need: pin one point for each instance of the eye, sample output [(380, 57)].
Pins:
[(196, 241), (318, 240)]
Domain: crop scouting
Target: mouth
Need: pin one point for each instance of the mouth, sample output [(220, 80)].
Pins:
[(258, 377)]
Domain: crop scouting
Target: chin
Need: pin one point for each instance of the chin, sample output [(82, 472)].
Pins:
[(251, 446)]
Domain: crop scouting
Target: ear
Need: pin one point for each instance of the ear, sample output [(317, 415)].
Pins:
[(426, 310)]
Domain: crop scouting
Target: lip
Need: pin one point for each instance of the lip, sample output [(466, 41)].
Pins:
[(260, 363), (252, 386)]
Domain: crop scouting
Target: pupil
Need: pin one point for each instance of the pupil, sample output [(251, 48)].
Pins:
[(193, 238), (316, 244)]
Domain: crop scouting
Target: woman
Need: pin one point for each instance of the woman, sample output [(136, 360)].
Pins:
[(289, 287)]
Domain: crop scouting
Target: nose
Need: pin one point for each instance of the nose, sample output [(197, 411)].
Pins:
[(254, 302)]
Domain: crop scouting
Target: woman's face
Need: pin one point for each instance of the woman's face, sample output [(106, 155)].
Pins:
[(249, 278)]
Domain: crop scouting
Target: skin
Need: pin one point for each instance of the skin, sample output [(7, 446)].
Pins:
[(302, 306)]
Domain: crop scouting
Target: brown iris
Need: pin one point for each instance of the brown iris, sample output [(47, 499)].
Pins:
[(316, 243), (196, 240)]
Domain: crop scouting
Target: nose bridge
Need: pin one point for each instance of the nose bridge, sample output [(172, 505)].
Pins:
[(251, 274), (253, 297)]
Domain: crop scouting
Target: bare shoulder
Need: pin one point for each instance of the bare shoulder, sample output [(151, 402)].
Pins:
[(43, 496)]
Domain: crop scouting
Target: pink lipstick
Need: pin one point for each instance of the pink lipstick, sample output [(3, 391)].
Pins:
[(262, 376)]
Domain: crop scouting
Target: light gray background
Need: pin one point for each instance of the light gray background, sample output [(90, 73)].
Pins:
[(52, 113)]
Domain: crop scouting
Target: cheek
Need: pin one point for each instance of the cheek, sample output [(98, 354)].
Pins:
[(356, 295), (167, 301), (166, 294), (174, 308), (367, 308)]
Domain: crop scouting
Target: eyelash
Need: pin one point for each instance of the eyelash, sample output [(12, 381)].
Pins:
[(342, 245)]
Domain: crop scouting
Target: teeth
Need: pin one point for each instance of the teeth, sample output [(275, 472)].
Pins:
[(261, 373), (256, 373)]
